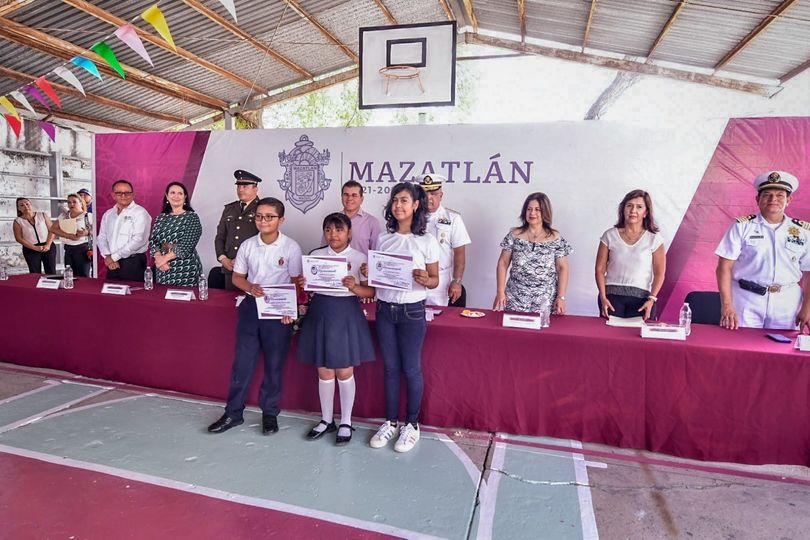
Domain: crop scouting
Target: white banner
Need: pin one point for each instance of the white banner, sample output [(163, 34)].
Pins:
[(584, 167)]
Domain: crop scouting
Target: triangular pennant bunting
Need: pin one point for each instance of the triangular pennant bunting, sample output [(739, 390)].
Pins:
[(129, 36), (48, 128), (37, 95), (20, 98), (7, 105), (14, 123), (230, 7), (46, 87), (69, 78), (103, 50), (87, 65), (155, 17)]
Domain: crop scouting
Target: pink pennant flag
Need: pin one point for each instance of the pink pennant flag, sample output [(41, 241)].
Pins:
[(46, 87), (69, 78), (48, 128), (37, 95), (230, 7), (129, 36), (15, 124), (20, 98)]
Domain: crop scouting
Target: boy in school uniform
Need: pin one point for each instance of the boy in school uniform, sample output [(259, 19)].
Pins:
[(269, 258)]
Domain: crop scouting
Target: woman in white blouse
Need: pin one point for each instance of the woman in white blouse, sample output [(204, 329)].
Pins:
[(32, 230), (631, 262)]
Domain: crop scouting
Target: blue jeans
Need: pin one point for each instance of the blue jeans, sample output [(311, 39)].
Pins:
[(401, 333)]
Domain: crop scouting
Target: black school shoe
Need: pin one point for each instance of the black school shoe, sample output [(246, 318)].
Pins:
[(224, 424), (315, 434), (269, 424), (341, 440)]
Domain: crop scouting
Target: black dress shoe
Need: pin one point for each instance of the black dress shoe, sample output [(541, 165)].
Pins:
[(315, 434), (269, 424), (224, 424), (341, 440)]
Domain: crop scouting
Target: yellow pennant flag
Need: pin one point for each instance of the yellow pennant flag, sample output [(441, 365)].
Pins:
[(7, 105), (155, 17)]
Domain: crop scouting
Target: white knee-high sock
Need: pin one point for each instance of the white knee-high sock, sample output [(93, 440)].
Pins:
[(326, 391), (346, 400)]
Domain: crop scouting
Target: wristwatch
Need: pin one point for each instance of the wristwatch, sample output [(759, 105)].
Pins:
[(561, 298)]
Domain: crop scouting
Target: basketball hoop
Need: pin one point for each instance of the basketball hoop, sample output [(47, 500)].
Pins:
[(400, 73)]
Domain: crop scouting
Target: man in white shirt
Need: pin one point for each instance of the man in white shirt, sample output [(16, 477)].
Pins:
[(448, 228), (761, 260), (124, 235)]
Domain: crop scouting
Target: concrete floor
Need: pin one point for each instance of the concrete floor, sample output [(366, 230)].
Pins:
[(92, 459)]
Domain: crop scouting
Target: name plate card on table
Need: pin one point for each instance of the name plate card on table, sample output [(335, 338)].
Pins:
[(278, 301), (388, 270), (177, 294), (115, 288), (663, 331), (324, 273), (522, 321), (48, 283), (803, 342)]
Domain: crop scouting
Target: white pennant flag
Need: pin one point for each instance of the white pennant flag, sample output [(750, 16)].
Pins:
[(20, 98), (230, 7), (69, 78)]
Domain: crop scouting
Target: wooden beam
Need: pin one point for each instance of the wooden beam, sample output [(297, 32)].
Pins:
[(386, 12), (588, 24), (622, 65), (64, 89), (468, 8), (795, 71), (25, 35), (109, 18), (322, 29), (521, 9), (58, 113), (772, 17), (8, 7), (667, 27), (197, 6), (448, 10)]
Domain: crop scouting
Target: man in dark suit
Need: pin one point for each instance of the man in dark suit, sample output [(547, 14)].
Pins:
[(237, 222)]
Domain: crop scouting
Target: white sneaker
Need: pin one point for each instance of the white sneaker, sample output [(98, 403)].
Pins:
[(383, 435), (408, 437)]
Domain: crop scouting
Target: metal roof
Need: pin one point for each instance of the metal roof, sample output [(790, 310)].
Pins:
[(279, 43)]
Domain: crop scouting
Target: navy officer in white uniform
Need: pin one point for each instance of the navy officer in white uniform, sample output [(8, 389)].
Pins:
[(761, 260), (448, 228)]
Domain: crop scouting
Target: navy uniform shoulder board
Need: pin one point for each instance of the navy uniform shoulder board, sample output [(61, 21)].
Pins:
[(802, 224), (743, 219)]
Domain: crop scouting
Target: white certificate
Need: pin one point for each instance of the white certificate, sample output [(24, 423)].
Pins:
[(278, 301), (324, 273), (389, 270)]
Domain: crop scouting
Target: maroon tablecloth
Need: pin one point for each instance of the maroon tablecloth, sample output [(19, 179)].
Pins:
[(721, 395)]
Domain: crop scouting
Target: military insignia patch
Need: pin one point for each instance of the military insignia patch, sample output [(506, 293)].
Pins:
[(803, 224), (444, 221), (743, 219), (304, 180)]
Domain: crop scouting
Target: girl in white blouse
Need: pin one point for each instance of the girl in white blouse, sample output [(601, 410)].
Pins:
[(631, 261)]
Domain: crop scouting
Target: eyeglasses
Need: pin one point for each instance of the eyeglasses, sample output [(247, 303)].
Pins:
[(265, 217), (122, 193)]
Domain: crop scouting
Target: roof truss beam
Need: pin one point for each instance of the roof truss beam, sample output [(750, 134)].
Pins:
[(772, 17), (386, 12), (8, 7), (470, 11), (109, 18), (84, 119), (622, 65), (29, 37), (591, 11), (447, 10), (795, 71), (667, 27), (322, 29), (521, 11), (237, 31)]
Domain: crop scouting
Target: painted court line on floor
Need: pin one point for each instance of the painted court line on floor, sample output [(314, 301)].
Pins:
[(46, 385), (93, 406), (587, 514), (490, 494), (52, 410), (218, 494), (469, 466)]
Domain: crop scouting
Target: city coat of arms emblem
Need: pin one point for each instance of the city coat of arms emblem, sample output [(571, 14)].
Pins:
[(304, 180)]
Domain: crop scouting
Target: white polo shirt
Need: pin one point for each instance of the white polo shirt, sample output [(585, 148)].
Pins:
[(355, 259), (424, 249), (268, 264)]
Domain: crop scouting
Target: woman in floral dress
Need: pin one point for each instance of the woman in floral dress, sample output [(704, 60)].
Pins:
[(173, 243), (538, 256)]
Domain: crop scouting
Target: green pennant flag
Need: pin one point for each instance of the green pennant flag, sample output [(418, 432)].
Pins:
[(103, 50)]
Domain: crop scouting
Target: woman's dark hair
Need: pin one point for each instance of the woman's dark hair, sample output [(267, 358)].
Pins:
[(419, 223), (337, 220), (545, 212), (19, 214), (275, 203), (167, 208), (649, 221)]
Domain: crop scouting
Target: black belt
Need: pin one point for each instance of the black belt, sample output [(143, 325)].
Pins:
[(762, 290)]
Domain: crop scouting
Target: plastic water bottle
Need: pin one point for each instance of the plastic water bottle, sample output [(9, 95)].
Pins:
[(202, 286), (685, 318), (545, 316), (67, 277), (148, 279), (3, 272)]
